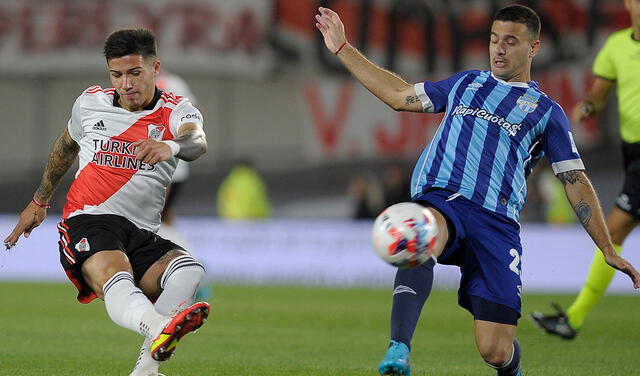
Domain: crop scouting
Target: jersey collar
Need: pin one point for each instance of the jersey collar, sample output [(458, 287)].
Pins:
[(150, 106), (516, 84)]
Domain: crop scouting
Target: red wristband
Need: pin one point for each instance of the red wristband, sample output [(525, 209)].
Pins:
[(341, 47), (44, 206)]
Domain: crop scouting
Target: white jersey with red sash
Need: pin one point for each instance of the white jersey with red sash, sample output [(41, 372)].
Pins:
[(110, 180)]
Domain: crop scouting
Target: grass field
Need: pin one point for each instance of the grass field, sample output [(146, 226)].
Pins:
[(299, 331)]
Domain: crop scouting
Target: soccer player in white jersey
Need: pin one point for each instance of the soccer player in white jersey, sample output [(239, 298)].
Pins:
[(128, 139), (472, 175)]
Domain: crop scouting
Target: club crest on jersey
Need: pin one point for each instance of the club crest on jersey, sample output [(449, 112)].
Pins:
[(527, 103), (83, 245), (155, 131)]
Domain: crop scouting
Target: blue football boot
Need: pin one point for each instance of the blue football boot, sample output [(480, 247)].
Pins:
[(396, 361)]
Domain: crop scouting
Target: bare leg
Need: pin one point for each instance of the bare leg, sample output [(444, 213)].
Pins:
[(497, 346)]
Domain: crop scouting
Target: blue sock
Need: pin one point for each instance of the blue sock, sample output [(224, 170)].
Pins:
[(511, 368), (411, 289)]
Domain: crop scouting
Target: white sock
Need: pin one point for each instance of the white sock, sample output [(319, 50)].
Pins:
[(180, 282), (129, 307), (145, 365)]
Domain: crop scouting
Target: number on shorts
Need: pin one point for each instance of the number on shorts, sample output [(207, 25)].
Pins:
[(515, 264)]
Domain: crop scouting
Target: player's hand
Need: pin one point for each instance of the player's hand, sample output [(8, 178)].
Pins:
[(616, 261), (151, 151), (30, 218), (581, 112), (331, 27)]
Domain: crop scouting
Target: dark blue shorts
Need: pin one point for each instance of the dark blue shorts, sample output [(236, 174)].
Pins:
[(486, 246)]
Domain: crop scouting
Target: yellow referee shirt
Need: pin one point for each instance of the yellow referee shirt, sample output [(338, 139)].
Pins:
[(619, 60)]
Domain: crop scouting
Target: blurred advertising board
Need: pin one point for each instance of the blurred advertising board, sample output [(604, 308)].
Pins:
[(67, 36)]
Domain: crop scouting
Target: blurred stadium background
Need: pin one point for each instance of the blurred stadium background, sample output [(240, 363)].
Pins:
[(271, 94)]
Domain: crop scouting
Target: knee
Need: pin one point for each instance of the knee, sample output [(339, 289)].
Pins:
[(100, 267), (495, 355)]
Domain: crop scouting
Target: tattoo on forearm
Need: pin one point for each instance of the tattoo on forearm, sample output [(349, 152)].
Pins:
[(583, 211), (63, 154), (572, 177), (410, 99), (192, 145)]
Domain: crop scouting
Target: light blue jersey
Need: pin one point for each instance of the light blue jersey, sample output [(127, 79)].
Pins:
[(492, 135)]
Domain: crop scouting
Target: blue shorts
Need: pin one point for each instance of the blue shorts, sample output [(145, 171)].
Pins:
[(486, 246)]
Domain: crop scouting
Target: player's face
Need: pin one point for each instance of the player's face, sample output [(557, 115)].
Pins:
[(134, 79), (511, 51)]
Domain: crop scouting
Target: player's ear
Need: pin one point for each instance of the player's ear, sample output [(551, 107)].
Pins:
[(156, 66), (535, 47)]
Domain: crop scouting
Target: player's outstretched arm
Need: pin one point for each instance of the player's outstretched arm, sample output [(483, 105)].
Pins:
[(594, 101), (190, 144), (63, 154), (585, 203), (387, 86)]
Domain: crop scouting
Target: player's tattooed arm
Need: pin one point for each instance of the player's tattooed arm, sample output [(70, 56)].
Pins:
[(585, 203), (410, 99), (192, 141), (583, 212), (582, 208), (573, 177), (63, 154)]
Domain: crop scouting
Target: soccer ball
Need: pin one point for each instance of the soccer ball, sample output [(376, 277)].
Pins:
[(404, 235)]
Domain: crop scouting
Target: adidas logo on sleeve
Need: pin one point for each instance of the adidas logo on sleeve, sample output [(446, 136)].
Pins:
[(99, 126)]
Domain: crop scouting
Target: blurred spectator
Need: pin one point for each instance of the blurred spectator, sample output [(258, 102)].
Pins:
[(367, 193), (396, 185), (243, 194)]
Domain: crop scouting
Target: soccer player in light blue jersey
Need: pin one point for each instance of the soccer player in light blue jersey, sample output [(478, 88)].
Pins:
[(472, 177)]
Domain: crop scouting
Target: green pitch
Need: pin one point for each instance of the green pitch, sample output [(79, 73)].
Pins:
[(259, 331)]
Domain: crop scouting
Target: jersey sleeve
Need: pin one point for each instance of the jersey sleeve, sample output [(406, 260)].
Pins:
[(603, 65), (435, 95), (75, 122), (559, 145), (184, 113)]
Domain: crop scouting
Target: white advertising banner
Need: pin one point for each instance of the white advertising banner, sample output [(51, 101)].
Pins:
[(322, 253), (67, 36)]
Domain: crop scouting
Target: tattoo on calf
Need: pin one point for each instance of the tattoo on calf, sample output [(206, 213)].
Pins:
[(583, 211)]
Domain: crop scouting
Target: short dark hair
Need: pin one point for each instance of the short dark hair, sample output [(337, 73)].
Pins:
[(130, 42), (521, 14)]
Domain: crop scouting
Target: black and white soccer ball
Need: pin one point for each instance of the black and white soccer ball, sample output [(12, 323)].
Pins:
[(404, 235)]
